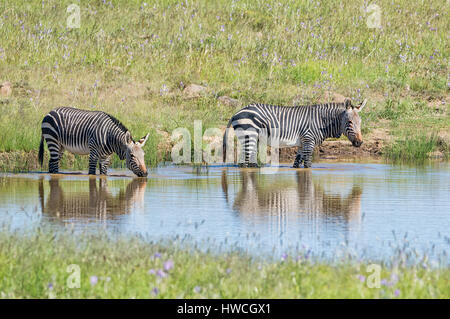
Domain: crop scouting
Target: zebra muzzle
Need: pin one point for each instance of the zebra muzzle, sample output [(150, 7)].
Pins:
[(141, 173)]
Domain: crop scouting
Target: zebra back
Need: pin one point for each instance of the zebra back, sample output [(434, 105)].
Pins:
[(77, 130)]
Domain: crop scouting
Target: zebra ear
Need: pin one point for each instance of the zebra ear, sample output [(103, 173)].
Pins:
[(361, 106), (128, 137), (142, 141), (348, 104)]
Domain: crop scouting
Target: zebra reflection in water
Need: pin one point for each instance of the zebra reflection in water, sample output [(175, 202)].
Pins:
[(300, 197), (92, 203)]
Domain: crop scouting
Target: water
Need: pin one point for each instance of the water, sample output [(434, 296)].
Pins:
[(372, 211)]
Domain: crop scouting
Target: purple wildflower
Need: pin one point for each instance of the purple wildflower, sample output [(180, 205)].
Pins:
[(151, 272), (157, 255), (362, 278), (161, 274), (93, 280), (197, 289), (397, 293), (168, 265), (155, 291)]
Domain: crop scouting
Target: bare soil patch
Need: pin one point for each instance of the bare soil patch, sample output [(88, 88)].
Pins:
[(343, 149)]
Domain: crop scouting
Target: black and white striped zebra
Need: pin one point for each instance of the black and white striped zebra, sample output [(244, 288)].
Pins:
[(90, 132), (286, 126)]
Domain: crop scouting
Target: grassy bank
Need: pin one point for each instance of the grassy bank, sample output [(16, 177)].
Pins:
[(416, 148), (36, 266), (134, 59)]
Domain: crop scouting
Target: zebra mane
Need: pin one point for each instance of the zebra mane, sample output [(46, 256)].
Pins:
[(117, 122), (331, 105)]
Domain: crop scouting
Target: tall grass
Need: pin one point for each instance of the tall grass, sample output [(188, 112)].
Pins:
[(133, 59), (37, 266), (415, 147)]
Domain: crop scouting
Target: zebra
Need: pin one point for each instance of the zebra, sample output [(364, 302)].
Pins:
[(90, 132), (305, 126)]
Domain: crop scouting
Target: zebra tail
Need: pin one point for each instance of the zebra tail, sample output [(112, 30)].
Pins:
[(225, 137), (41, 151)]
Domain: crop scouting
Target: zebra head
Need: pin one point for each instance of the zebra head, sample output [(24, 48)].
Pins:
[(135, 155), (352, 122)]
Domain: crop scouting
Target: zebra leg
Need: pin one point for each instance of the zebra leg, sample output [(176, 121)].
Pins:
[(104, 164), (243, 160), (93, 159), (298, 158), (253, 156), (308, 148), (56, 152), (251, 151), (249, 143)]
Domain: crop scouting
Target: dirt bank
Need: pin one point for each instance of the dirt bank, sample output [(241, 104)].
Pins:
[(341, 149)]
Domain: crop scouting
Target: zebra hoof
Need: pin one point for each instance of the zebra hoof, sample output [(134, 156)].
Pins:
[(247, 165)]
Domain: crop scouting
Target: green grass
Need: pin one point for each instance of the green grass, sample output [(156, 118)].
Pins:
[(417, 148), (36, 266), (133, 61)]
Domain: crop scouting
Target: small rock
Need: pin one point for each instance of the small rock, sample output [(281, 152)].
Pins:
[(212, 140), (165, 143), (334, 97), (298, 100), (6, 89), (194, 90), (228, 101)]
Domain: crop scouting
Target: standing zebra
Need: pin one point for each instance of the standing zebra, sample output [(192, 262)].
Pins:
[(304, 126), (90, 132)]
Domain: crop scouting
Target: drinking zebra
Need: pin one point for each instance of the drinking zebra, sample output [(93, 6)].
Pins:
[(90, 132), (286, 126)]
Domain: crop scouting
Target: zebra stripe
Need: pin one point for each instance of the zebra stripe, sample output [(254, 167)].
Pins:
[(90, 132), (303, 126)]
